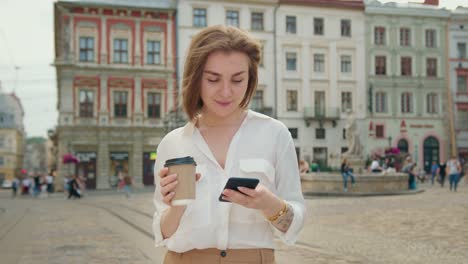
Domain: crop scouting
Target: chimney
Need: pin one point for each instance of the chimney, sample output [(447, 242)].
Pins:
[(431, 2)]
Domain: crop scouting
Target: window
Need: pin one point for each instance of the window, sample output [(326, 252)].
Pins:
[(291, 24), (257, 100), (461, 47), (405, 37), (379, 36), (345, 64), (318, 26), (2, 161), (86, 49), (291, 61), (406, 103), (380, 102), (292, 100), (153, 53), (430, 38), (405, 66), (432, 104), (344, 137), (154, 105), (320, 133), (257, 21), (346, 101), (232, 18), (120, 50), (403, 145), (294, 132), (462, 86), (380, 65), (379, 131), (120, 104), (199, 17), (319, 103), (2, 142), (346, 28), (431, 67), (86, 103), (319, 63)]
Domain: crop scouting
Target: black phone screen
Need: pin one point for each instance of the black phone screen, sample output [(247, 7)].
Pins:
[(234, 182)]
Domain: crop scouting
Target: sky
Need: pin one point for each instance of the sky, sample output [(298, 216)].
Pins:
[(27, 54)]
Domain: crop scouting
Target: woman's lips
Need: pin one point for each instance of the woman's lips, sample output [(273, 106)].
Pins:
[(223, 103)]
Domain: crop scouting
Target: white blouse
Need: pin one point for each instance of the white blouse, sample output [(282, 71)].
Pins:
[(262, 148)]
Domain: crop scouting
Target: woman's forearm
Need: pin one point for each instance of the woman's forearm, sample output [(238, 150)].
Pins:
[(170, 220)]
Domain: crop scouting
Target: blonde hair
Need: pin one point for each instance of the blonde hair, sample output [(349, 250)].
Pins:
[(207, 41)]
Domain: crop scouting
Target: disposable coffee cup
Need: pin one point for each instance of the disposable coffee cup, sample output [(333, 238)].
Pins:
[(185, 170)]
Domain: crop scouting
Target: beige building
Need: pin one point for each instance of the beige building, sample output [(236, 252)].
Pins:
[(11, 137), (116, 80)]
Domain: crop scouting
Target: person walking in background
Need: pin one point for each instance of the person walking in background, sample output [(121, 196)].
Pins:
[(74, 188), (442, 173), (434, 171), (50, 183), (453, 170), (346, 172), (14, 187), (127, 188), (228, 140)]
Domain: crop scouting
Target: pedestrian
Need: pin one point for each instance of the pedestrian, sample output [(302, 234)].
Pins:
[(409, 168), (227, 140), (14, 187), (434, 171), (66, 186), (74, 188), (50, 182), (127, 188), (453, 170), (25, 184), (442, 173), (346, 172), (37, 185)]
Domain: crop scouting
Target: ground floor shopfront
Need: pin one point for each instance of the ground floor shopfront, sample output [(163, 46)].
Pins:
[(106, 153)]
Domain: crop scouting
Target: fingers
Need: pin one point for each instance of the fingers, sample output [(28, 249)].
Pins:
[(163, 172), (197, 176), (236, 197), (168, 198), (167, 179)]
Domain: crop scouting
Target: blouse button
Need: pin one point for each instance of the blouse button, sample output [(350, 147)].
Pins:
[(223, 253)]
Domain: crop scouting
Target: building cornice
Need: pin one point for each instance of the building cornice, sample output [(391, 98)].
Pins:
[(411, 9)]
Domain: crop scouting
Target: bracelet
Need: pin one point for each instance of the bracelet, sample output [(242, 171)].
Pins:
[(280, 212)]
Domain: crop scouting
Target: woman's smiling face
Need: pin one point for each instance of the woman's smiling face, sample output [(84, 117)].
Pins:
[(224, 83)]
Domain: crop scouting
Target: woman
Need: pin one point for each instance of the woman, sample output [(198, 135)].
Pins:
[(227, 140)]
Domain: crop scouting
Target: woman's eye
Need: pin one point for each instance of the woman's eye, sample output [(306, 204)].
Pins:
[(212, 80), (237, 81)]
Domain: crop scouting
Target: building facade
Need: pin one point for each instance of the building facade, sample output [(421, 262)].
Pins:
[(255, 16), (407, 81), (116, 80), (11, 138), (458, 73), (320, 57)]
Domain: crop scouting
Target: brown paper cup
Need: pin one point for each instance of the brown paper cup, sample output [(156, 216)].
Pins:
[(185, 169)]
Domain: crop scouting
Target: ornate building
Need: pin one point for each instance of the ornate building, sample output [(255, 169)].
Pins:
[(11, 137), (458, 72), (116, 80), (407, 80), (320, 57)]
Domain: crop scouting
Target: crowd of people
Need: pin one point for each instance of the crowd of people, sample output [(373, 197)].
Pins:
[(36, 185)]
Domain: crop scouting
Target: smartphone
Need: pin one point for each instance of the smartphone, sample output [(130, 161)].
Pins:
[(234, 182)]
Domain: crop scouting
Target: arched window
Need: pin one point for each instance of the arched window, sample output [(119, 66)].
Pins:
[(403, 145)]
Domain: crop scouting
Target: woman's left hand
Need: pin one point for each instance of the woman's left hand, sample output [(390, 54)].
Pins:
[(260, 198)]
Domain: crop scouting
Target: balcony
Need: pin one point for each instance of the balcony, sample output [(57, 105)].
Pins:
[(264, 110), (321, 114)]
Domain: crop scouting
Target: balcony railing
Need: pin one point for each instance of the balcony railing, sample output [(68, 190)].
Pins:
[(264, 110), (321, 114)]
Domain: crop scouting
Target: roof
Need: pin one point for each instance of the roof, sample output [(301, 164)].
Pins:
[(408, 9), (345, 4), (11, 111), (158, 4)]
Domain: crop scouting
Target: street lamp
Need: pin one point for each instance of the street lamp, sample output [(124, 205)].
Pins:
[(389, 141)]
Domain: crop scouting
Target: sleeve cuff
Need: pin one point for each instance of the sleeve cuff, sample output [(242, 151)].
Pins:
[(290, 237), (159, 241)]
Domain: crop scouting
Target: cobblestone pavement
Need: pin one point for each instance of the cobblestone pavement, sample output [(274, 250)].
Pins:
[(105, 227)]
